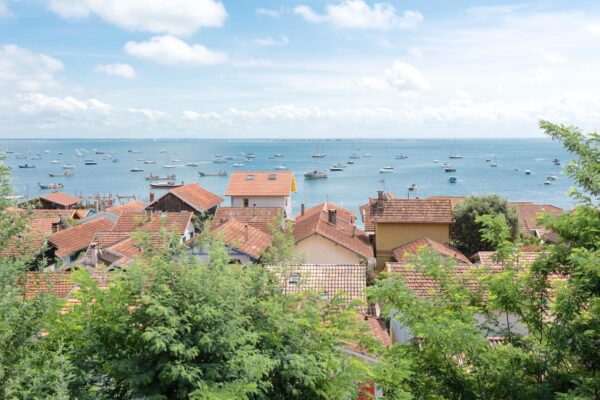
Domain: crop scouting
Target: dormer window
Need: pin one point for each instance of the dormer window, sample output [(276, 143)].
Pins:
[(294, 278), (249, 177), (272, 177)]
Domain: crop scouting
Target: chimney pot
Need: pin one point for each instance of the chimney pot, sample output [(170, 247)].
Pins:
[(332, 214), (302, 210), (246, 231)]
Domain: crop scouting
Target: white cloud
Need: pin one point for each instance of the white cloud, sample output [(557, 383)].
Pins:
[(271, 41), (189, 115), (4, 10), (27, 70), (485, 12), (152, 115), (267, 12), (401, 76), (359, 14), (253, 63), (554, 57), (125, 71), (35, 103), (173, 51), (177, 17)]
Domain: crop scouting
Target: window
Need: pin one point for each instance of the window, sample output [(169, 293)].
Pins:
[(246, 202), (249, 177), (294, 278), (272, 177)]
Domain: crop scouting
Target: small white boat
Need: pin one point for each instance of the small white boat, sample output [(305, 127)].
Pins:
[(281, 168), (218, 173), (413, 187), (55, 162), (163, 150), (90, 162), (436, 161), (192, 164), (137, 169), (219, 160), (552, 177), (169, 166), (336, 168), (401, 157), (319, 155), (51, 186), (527, 172), (548, 182), (149, 162), (278, 155), (455, 156), (386, 170), (493, 165), (449, 168), (237, 165), (176, 160), (68, 166), (354, 156)]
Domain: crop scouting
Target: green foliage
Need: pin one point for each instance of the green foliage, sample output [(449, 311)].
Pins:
[(282, 251), (466, 230)]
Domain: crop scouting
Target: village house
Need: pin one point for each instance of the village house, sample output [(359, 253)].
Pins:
[(395, 222), (403, 253), (58, 200), (192, 197), (262, 218), (262, 189), (326, 234)]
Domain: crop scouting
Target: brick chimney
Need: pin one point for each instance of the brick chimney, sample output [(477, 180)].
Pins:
[(332, 216), (151, 197), (380, 199), (302, 210)]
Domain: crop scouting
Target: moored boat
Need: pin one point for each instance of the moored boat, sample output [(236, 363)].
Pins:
[(50, 186), (25, 166), (66, 172), (90, 162), (315, 174), (218, 173), (452, 179), (527, 172), (137, 169), (449, 168), (166, 185), (153, 177), (386, 170), (281, 168)]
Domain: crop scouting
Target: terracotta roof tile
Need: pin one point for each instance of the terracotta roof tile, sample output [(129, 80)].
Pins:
[(325, 279), (528, 213), (261, 184), (58, 283), (257, 217), (524, 257), (61, 198), (130, 221), (443, 249), (79, 236), (46, 213), (413, 211), (376, 329), (344, 233), (174, 221), (244, 238), (195, 196), (134, 205)]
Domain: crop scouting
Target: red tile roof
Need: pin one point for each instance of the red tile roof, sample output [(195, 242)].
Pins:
[(376, 329), (61, 198), (130, 221), (260, 184), (524, 257), (195, 196), (134, 205), (171, 221), (413, 211), (79, 236), (261, 218), (325, 279), (443, 249), (344, 233), (46, 213), (57, 283), (528, 213), (342, 213), (244, 238), (455, 200)]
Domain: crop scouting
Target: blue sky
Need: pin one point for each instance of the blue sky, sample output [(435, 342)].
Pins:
[(284, 69)]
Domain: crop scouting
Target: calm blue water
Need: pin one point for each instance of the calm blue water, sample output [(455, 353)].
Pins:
[(349, 188)]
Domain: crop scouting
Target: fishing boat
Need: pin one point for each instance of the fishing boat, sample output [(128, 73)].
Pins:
[(449, 168), (218, 173), (527, 172), (219, 160), (90, 162), (315, 174), (336, 168), (137, 169), (452, 179), (66, 172), (149, 162), (250, 155), (166, 185), (153, 177), (192, 164), (25, 166), (401, 157), (237, 165), (50, 186), (281, 168), (413, 187), (386, 170), (168, 166)]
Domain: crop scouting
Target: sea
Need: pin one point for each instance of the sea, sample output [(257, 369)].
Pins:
[(421, 165)]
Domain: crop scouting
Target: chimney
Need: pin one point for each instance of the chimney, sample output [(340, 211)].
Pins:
[(332, 216), (94, 260), (246, 231), (254, 210), (302, 210), (380, 199), (151, 197), (353, 230)]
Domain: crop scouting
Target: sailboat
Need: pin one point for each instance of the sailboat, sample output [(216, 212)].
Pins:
[(452, 154), (318, 154)]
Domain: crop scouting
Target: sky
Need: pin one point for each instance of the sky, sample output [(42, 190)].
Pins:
[(296, 69)]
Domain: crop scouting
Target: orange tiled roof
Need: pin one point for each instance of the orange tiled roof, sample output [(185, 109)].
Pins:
[(195, 196), (134, 205), (443, 249), (47, 213), (79, 236), (376, 329), (259, 184), (129, 221), (257, 217), (455, 200), (58, 283), (528, 213), (344, 233), (342, 213), (173, 221), (413, 211), (126, 248), (325, 279), (524, 257), (61, 198), (244, 237)]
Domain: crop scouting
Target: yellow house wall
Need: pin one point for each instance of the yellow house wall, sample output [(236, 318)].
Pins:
[(390, 236), (320, 250)]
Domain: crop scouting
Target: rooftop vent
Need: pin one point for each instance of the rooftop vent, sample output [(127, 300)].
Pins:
[(249, 177), (294, 278), (272, 177)]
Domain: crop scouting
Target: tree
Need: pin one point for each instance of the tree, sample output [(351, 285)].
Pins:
[(282, 251), (466, 231)]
